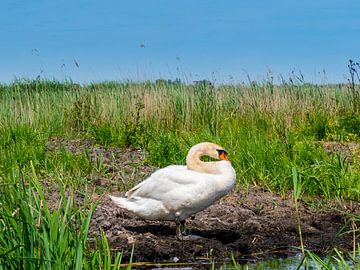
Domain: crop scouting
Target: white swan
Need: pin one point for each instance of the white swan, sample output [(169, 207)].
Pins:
[(176, 192)]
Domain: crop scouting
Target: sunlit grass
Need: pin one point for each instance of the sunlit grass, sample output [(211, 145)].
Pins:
[(267, 129)]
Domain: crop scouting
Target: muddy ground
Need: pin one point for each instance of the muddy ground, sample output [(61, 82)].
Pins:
[(249, 223)]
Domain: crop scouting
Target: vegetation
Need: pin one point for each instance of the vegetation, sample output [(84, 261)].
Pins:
[(267, 129), (33, 237)]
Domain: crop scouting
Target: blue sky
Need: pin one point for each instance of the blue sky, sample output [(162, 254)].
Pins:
[(143, 39)]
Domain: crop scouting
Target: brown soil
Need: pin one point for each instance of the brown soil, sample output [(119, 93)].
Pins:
[(250, 223), (253, 223)]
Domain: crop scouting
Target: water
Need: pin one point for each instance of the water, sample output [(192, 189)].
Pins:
[(289, 263)]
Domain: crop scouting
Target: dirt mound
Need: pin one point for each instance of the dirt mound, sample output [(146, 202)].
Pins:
[(254, 223)]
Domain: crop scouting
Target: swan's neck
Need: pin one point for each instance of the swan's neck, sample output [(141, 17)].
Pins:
[(193, 162)]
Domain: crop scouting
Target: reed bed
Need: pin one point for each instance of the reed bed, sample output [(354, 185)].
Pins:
[(268, 129)]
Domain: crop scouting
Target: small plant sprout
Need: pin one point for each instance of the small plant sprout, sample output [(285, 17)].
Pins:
[(297, 194)]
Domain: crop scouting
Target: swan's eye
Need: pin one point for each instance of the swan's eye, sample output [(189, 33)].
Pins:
[(222, 154)]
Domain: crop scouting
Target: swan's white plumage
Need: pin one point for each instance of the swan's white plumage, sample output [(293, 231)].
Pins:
[(176, 192)]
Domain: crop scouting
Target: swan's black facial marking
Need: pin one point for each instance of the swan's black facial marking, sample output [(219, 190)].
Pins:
[(222, 154), (221, 151)]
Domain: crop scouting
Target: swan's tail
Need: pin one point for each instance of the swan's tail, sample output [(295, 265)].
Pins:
[(121, 202), (143, 207)]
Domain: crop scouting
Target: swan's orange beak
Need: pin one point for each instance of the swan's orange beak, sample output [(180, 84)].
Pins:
[(223, 156)]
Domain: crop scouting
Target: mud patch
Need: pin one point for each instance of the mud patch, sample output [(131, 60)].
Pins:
[(253, 223)]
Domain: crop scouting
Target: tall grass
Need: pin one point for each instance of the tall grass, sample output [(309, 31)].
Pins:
[(268, 129), (35, 237)]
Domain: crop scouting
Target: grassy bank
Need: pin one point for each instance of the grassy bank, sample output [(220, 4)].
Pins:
[(267, 130)]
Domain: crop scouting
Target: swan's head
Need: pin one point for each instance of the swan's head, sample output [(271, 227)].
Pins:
[(216, 151), (209, 149), (194, 162)]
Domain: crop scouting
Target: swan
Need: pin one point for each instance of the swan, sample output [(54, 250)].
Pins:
[(176, 192)]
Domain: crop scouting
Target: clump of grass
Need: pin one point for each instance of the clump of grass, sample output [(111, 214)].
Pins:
[(82, 113), (337, 261), (35, 237)]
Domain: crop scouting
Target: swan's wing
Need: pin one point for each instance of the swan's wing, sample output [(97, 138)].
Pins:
[(159, 174), (173, 182), (138, 186)]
